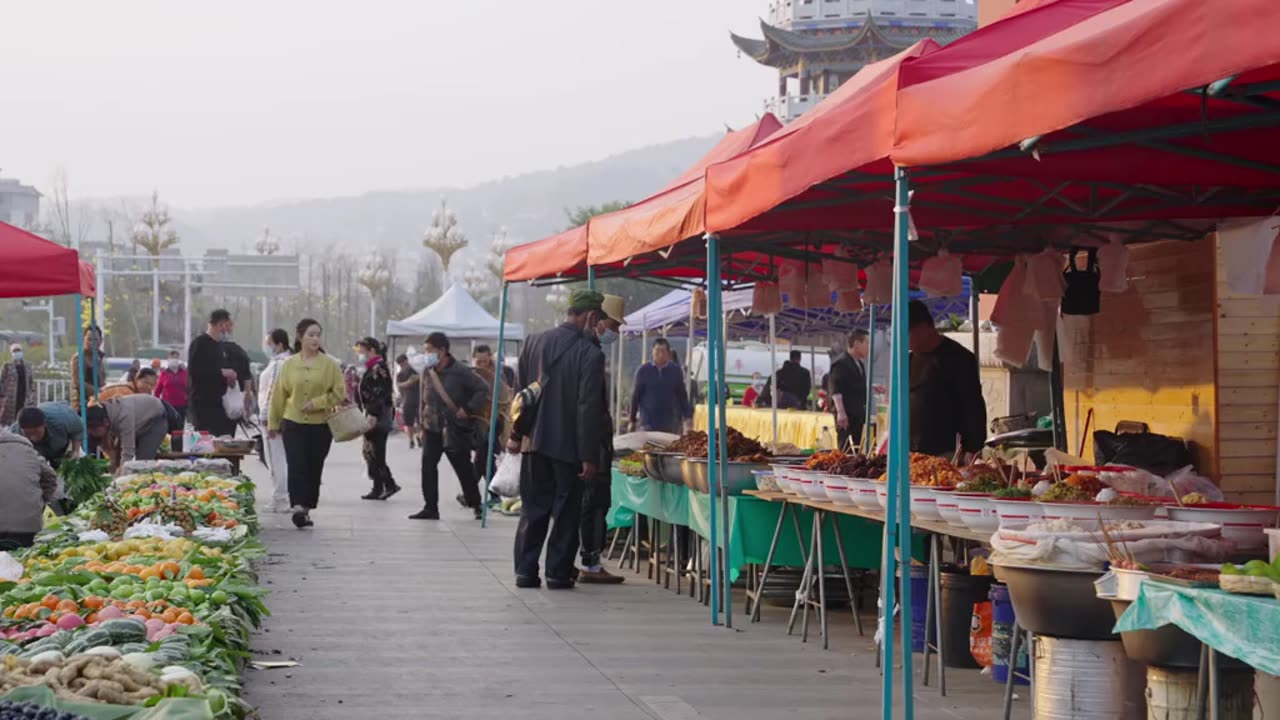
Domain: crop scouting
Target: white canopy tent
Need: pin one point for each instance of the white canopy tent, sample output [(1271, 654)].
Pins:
[(456, 314)]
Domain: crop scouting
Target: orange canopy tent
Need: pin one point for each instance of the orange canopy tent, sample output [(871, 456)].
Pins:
[(676, 212), (1126, 66), (564, 253), (31, 266)]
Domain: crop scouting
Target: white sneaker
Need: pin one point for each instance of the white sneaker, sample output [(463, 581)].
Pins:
[(281, 507)]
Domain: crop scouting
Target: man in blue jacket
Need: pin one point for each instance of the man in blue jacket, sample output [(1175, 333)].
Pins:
[(659, 401)]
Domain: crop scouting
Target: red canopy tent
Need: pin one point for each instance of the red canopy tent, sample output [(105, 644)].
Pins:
[(31, 266)]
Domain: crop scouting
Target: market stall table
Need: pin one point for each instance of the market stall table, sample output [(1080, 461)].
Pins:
[(748, 539), (804, 600), (798, 427), (232, 457)]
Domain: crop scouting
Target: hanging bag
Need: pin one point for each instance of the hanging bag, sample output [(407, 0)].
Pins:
[(524, 406), (1083, 295), (766, 299), (348, 423)]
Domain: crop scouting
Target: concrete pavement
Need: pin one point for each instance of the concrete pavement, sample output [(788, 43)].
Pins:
[(392, 618)]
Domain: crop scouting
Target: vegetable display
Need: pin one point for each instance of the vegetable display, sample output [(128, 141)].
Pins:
[(855, 465), (930, 471), (145, 594)]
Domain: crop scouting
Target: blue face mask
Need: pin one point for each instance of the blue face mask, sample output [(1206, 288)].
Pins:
[(433, 359), (363, 358), (608, 337)]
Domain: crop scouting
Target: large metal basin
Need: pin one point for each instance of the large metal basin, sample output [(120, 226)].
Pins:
[(1169, 646), (737, 477), (664, 467), (1059, 603)]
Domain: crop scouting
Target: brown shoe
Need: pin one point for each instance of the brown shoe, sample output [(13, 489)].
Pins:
[(600, 577)]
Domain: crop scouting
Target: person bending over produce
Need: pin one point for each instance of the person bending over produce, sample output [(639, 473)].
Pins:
[(130, 427), (26, 485), (54, 430)]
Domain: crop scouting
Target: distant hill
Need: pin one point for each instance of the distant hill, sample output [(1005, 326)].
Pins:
[(531, 206)]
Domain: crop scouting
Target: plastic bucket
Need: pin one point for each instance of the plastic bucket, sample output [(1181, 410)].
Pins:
[(1002, 620), (1171, 694), (960, 592), (919, 598)]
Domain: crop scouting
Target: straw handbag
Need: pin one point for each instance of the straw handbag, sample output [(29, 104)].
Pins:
[(348, 423)]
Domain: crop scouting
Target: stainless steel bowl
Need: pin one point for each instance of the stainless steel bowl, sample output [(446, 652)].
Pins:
[(652, 465), (737, 476), (672, 467)]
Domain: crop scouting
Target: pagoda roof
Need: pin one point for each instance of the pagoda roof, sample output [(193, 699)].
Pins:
[(784, 47)]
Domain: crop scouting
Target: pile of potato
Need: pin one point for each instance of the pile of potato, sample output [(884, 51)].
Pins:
[(83, 678)]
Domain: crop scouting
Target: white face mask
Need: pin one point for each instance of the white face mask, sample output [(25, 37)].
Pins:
[(17, 355), (363, 358), (175, 365), (433, 359)]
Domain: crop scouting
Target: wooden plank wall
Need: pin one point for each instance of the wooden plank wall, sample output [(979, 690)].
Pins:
[(1248, 384), (1148, 356)]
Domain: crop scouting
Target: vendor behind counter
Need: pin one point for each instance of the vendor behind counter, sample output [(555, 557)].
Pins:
[(947, 406)]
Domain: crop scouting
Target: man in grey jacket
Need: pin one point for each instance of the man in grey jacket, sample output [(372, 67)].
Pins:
[(129, 427), (564, 449), (26, 485)]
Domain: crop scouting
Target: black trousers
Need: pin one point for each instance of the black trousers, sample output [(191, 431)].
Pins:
[(596, 499), (211, 418), (305, 448), (854, 433), (375, 460), (15, 541), (432, 449), (551, 502)]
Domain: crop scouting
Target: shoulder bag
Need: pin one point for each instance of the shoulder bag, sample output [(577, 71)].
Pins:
[(524, 406), (460, 439)]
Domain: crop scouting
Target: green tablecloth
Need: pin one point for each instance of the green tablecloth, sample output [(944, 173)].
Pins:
[(751, 520), (1246, 627)]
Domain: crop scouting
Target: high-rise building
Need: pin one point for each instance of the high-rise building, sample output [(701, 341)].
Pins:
[(818, 44), (19, 204)]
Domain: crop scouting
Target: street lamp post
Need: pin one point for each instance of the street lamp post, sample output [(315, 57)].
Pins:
[(375, 276)]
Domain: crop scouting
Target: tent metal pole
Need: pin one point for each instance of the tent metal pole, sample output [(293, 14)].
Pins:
[(724, 446), (1056, 398), (973, 319), (591, 277), (713, 408), (494, 444), (186, 306), (868, 439), (617, 383), (84, 406), (899, 476), (773, 375)]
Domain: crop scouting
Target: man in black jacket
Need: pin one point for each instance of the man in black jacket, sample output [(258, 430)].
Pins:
[(453, 400), (794, 383), (848, 389), (564, 449), (947, 407), (210, 376)]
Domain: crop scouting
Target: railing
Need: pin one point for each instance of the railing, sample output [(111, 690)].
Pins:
[(53, 390)]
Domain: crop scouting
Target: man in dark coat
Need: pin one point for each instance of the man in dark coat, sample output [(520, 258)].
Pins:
[(210, 376), (848, 389), (947, 406), (564, 448), (794, 381), (453, 400)]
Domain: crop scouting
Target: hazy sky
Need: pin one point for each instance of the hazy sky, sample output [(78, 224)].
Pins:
[(234, 101)]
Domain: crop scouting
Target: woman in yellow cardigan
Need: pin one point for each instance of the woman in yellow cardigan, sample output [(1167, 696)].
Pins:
[(308, 388)]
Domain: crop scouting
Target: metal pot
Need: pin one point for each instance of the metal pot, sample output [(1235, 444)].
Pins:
[(737, 476), (1059, 603), (672, 467)]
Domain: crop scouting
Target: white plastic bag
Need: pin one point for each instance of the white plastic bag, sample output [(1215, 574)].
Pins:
[(1014, 307), (10, 569), (842, 275), (1044, 280), (506, 477), (233, 402), (1246, 247), (1113, 266), (942, 275), (766, 299), (1013, 345), (879, 289)]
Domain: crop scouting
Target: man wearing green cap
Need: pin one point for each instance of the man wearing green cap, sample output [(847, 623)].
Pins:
[(564, 447)]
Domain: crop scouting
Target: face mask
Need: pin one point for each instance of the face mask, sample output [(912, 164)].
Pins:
[(17, 354), (174, 365), (608, 337), (433, 359), (363, 358), (758, 384)]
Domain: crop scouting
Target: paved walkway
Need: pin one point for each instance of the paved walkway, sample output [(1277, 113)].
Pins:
[(392, 618)]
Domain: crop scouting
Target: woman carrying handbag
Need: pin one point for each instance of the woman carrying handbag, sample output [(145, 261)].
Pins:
[(375, 399), (307, 390)]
